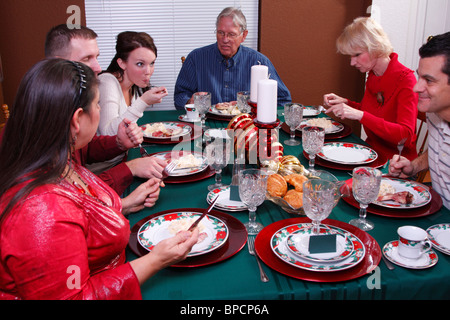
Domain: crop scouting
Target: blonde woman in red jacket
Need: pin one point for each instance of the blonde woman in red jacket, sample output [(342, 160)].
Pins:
[(388, 110)]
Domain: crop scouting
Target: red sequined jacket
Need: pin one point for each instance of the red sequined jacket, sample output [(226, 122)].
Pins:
[(58, 243)]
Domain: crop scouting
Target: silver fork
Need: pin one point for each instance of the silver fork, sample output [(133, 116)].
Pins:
[(168, 169), (251, 250), (400, 146), (144, 152)]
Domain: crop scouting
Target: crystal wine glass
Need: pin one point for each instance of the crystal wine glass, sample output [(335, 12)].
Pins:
[(312, 139), (218, 156), (242, 101), (252, 191), (318, 201), (293, 116), (202, 102), (365, 188)]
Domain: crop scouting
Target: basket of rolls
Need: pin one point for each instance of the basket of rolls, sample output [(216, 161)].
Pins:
[(285, 183)]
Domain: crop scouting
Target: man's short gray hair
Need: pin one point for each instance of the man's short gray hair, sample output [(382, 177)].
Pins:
[(236, 14)]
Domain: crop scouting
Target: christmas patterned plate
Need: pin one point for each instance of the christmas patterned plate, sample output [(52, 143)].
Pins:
[(174, 130), (278, 243), (421, 194), (335, 126), (426, 260), (213, 232), (439, 235), (224, 202), (189, 162), (347, 153), (311, 111), (298, 244)]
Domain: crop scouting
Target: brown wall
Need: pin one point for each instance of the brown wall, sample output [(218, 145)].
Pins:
[(23, 26), (299, 37)]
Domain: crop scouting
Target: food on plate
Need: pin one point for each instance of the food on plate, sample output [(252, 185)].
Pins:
[(294, 198), (385, 188), (276, 185), (183, 224), (159, 130), (296, 180), (188, 161), (320, 122), (402, 197), (388, 193), (228, 107)]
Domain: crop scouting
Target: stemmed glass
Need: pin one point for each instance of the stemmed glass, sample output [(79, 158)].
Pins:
[(242, 104), (217, 155), (252, 191), (365, 188), (293, 116), (202, 102), (312, 139), (318, 201)]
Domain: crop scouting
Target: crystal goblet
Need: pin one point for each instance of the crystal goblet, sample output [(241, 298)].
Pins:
[(318, 201), (293, 116), (217, 155), (252, 191), (313, 138), (365, 188), (202, 102)]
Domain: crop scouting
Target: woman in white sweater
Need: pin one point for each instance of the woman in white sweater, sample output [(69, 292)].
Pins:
[(121, 85)]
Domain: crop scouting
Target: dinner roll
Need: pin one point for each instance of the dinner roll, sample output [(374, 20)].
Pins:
[(294, 198), (276, 185), (296, 180)]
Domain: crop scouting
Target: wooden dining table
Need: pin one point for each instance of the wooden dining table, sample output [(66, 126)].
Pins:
[(233, 273)]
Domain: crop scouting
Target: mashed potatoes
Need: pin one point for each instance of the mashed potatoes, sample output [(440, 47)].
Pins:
[(184, 224), (188, 161), (321, 122), (385, 188)]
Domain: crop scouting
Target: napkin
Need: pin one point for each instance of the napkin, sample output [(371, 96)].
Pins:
[(322, 243)]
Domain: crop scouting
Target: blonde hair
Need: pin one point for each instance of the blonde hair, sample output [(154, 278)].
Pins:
[(364, 34)]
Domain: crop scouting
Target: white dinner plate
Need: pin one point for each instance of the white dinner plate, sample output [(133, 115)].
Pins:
[(421, 194), (213, 231), (439, 235), (278, 244), (347, 153), (179, 130), (174, 156), (311, 111), (335, 126), (298, 244), (224, 202)]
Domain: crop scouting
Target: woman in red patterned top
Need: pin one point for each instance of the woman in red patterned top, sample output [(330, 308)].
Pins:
[(62, 231), (388, 110)]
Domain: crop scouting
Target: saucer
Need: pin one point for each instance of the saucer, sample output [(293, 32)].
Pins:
[(184, 118), (426, 260)]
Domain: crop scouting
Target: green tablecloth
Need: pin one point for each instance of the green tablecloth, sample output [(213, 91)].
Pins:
[(238, 276)]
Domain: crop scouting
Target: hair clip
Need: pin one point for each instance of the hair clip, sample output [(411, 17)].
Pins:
[(82, 79)]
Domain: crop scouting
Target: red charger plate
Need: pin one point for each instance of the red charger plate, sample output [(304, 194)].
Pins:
[(236, 239), (432, 207), (366, 266)]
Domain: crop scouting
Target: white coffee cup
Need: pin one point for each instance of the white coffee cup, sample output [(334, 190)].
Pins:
[(413, 242), (191, 112)]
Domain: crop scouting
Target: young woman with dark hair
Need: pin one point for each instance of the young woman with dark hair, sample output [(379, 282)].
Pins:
[(62, 231)]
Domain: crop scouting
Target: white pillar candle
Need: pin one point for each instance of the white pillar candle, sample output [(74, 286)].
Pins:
[(258, 72), (267, 101)]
